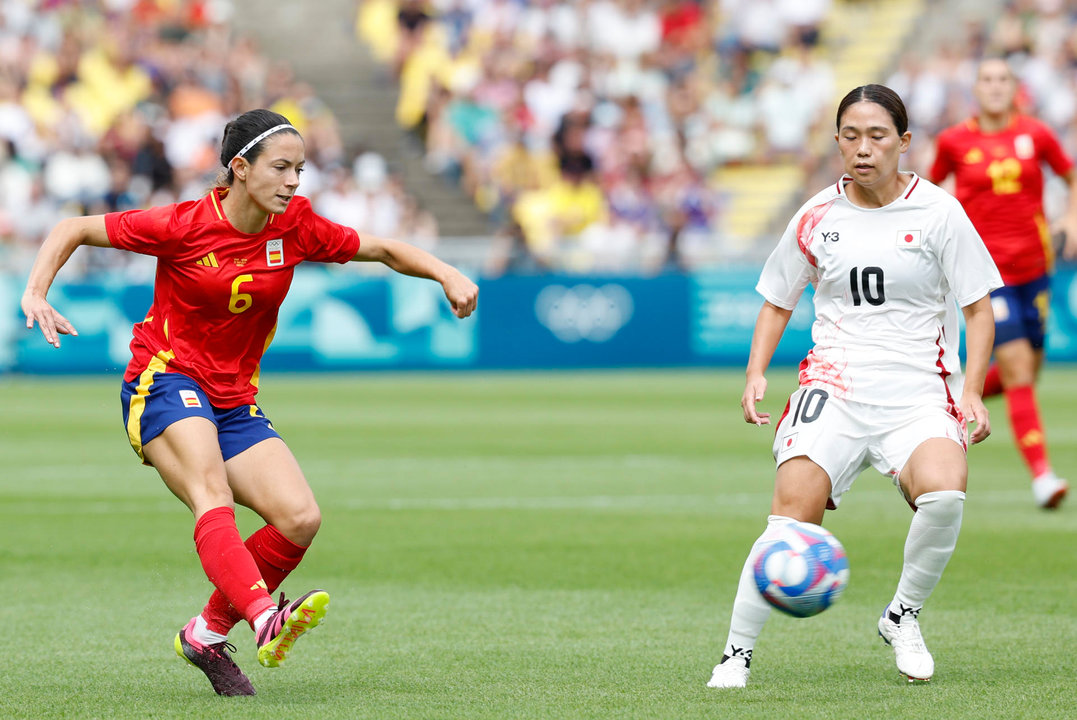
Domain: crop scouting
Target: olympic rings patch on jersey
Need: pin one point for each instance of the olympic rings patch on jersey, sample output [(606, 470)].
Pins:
[(274, 252)]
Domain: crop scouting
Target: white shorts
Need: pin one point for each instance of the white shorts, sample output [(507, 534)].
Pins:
[(845, 437)]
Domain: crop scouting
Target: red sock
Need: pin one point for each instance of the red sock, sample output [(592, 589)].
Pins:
[(229, 565), (275, 556), (992, 383), (1027, 428)]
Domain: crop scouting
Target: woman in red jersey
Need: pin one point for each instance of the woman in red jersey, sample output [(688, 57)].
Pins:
[(224, 265), (996, 159)]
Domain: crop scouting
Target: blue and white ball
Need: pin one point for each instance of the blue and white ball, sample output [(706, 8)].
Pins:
[(802, 570)]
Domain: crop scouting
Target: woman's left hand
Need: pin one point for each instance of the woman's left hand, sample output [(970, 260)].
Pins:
[(976, 412)]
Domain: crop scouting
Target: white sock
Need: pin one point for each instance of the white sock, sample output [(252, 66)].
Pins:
[(750, 610), (931, 541), (261, 619), (203, 634)]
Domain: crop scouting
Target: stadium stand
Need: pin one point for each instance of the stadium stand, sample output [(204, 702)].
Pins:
[(606, 136), (699, 124), (119, 104)]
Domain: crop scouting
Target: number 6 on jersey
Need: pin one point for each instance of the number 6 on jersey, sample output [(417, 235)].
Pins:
[(240, 301)]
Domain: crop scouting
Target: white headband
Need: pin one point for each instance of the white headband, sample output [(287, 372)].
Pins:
[(258, 139)]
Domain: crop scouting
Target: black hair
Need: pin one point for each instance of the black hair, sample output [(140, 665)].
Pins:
[(241, 131), (880, 95), (576, 163)]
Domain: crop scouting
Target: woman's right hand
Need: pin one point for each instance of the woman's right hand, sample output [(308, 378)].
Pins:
[(754, 390), (52, 324), (461, 292)]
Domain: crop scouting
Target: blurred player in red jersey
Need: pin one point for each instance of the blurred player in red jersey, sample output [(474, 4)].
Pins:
[(224, 265), (996, 158)]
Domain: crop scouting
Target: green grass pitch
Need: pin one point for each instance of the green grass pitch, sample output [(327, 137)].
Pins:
[(517, 546)]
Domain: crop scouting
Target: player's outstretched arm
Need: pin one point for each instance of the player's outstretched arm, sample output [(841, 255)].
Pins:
[(461, 292), (979, 338), (769, 327), (55, 251)]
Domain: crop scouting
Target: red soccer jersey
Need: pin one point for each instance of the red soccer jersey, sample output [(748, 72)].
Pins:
[(999, 181), (217, 290)]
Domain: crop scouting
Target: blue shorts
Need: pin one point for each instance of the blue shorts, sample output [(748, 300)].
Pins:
[(1021, 312), (156, 400)]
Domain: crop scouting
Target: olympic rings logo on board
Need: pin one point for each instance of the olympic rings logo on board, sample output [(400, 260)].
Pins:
[(584, 312)]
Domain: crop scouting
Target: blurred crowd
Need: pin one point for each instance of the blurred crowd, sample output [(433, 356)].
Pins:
[(590, 130), (110, 105), (1038, 38)]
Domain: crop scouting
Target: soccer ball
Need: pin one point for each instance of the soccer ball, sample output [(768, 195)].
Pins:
[(802, 570)]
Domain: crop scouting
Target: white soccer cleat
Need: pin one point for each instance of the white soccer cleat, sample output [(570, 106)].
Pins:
[(1049, 489), (912, 656), (730, 673)]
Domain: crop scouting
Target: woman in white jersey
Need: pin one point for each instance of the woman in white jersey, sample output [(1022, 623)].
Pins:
[(891, 257)]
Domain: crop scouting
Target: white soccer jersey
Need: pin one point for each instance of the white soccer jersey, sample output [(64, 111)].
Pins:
[(886, 282)]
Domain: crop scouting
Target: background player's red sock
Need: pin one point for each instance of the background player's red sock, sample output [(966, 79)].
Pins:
[(275, 556), (992, 383), (229, 565), (1028, 428)]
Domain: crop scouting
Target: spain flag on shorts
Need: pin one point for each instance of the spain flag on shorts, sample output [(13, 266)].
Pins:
[(190, 398)]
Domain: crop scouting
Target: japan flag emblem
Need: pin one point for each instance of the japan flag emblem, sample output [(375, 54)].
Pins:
[(789, 442), (908, 238)]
